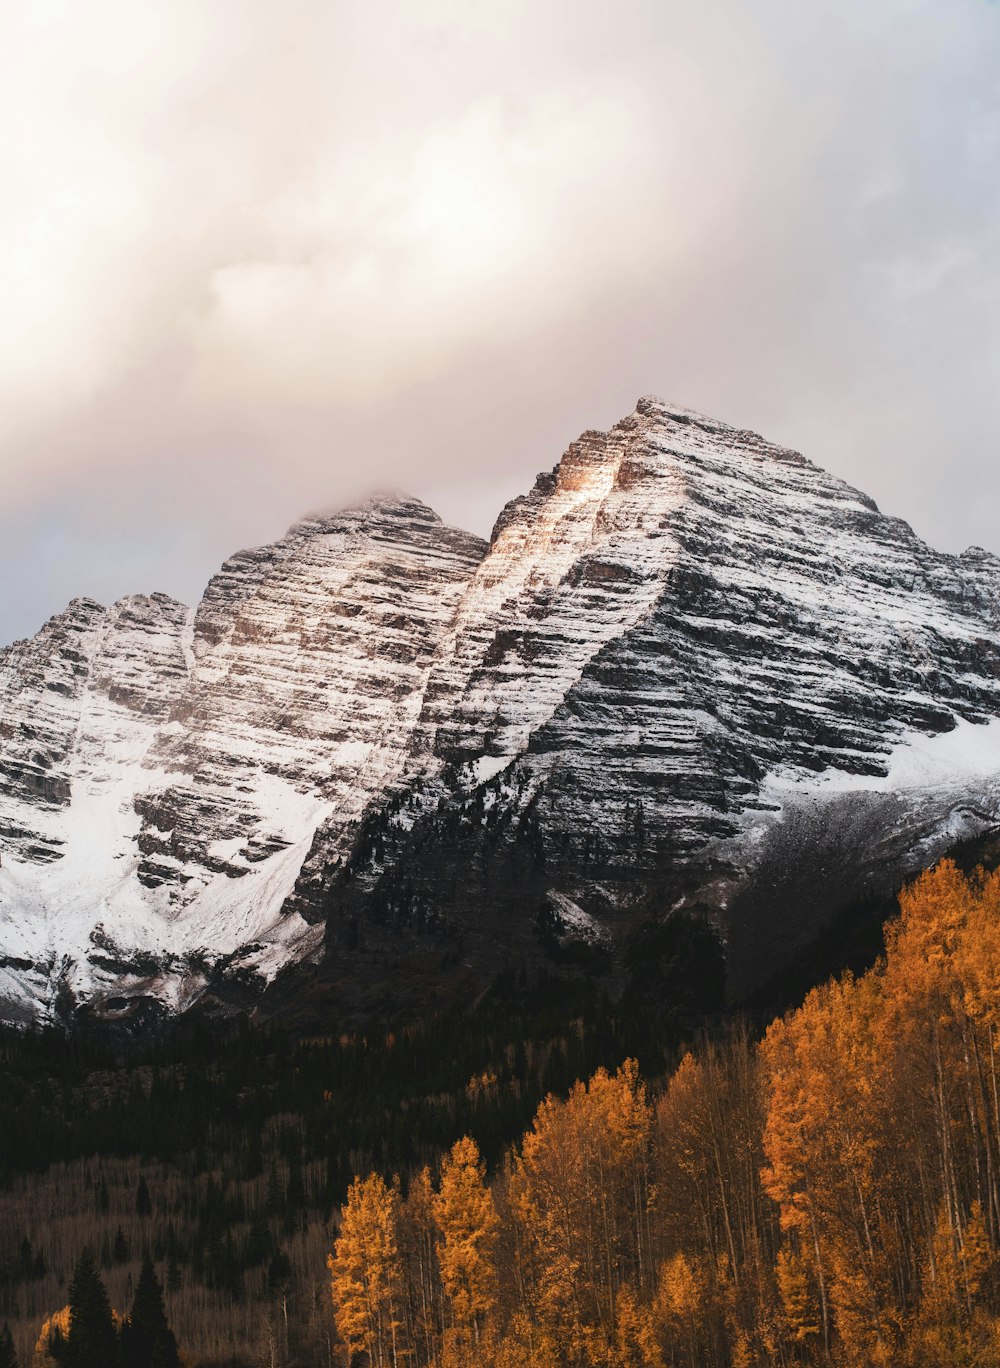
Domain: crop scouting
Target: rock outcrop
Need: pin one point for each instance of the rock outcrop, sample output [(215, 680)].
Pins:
[(691, 671), (164, 771)]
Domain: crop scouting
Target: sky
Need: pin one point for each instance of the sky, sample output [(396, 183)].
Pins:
[(257, 259)]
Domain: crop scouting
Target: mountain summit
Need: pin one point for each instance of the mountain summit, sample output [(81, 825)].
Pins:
[(691, 670)]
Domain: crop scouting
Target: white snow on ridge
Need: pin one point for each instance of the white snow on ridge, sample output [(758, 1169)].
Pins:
[(969, 754), (489, 766), (578, 924), (676, 610), (89, 902), (168, 771)]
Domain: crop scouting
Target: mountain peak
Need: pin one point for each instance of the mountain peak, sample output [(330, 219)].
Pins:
[(382, 506), (688, 662), (653, 406)]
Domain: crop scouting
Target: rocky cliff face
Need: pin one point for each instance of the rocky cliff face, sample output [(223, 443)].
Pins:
[(164, 771), (691, 671)]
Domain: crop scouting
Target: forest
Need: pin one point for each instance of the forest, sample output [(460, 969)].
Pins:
[(823, 1190), (828, 1194), (226, 1157)]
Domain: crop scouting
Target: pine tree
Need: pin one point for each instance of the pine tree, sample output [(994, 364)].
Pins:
[(8, 1354), (92, 1341), (143, 1202), (147, 1340)]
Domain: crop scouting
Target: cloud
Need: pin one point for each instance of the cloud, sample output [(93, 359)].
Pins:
[(379, 268), (254, 257)]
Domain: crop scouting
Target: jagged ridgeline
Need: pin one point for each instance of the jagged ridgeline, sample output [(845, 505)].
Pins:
[(695, 691)]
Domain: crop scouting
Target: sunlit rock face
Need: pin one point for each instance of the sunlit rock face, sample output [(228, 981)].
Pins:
[(691, 670)]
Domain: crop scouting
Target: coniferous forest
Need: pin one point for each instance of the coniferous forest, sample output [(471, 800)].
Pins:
[(555, 1180)]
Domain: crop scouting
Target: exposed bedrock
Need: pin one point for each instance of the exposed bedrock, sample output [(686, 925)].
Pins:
[(691, 671)]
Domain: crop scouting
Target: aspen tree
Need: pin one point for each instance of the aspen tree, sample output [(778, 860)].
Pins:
[(798, 1300), (418, 1237), (681, 1302), (364, 1272), (580, 1191), (635, 1344), (467, 1221), (523, 1342), (824, 1144)]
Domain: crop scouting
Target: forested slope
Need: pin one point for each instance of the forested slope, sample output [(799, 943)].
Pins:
[(827, 1195), (823, 1191)]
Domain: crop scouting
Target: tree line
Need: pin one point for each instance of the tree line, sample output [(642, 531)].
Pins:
[(88, 1333), (827, 1194), (226, 1158)]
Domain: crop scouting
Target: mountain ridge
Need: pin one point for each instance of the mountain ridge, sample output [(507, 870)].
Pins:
[(386, 745)]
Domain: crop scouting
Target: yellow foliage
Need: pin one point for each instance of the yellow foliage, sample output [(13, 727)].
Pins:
[(635, 1344), (524, 1343), (797, 1298), (976, 1253), (580, 1191), (957, 1264), (364, 1271), (682, 1292), (874, 1088), (865, 1325), (467, 1220), (57, 1325), (829, 1196)]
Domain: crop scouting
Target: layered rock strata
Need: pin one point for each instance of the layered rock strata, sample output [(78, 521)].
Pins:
[(690, 671), (693, 670), (164, 771)]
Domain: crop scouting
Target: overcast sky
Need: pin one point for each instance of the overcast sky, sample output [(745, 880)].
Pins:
[(256, 258)]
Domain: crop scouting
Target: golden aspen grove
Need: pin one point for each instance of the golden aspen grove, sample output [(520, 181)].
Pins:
[(828, 1194)]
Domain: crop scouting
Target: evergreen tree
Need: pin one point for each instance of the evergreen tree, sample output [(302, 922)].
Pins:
[(175, 1278), (143, 1202), (92, 1341), (147, 1340), (8, 1355)]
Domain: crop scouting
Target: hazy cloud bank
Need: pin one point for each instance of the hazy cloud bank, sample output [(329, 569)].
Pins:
[(257, 258)]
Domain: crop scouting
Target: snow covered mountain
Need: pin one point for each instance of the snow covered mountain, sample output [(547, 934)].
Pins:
[(163, 771), (690, 670)]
